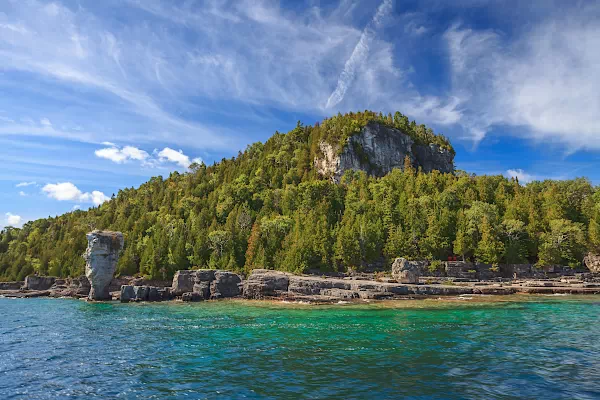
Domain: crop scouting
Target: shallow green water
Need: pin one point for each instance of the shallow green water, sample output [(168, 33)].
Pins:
[(543, 348)]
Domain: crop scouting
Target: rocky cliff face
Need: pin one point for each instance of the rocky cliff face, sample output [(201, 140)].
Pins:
[(377, 150), (101, 258), (592, 261)]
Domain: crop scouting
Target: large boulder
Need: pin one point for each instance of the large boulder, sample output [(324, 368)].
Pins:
[(225, 284), (34, 282), (203, 289), (266, 283), (183, 282), (81, 286), (144, 293), (592, 261), (101, 258), (405, 271), (127, 294)]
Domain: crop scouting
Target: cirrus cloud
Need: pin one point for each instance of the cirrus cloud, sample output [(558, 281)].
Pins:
[(544, 83)]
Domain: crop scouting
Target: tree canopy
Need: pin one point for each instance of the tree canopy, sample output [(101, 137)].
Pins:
[(268, 208)]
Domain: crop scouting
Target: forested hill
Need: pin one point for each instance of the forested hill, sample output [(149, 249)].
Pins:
[(268, 207)]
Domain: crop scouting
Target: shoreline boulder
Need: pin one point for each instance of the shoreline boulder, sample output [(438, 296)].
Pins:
[(225, 284), (101, 258), (183, 282), (405, 271)]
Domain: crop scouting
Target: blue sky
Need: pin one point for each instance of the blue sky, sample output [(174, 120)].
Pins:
[(101, 95)]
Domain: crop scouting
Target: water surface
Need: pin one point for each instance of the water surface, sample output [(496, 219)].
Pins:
[(540, 347)]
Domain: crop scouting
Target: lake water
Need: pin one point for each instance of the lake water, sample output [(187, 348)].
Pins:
[(538, 347)]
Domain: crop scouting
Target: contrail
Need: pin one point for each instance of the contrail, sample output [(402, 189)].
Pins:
[(359, 54)]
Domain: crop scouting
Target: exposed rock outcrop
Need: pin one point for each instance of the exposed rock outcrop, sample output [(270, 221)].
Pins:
[(206, 284), (405, 271), (34, 282), (101, 258), (592, 261), (11, 285), (183, 282), (378, 149), (271, 284), (144, 293), (265, 283), (225, 284)]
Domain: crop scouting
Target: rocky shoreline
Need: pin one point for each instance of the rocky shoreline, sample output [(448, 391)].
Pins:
[(203, 284), (408, 280)]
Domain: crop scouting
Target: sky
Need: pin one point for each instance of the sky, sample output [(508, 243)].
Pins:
[(97, 96)]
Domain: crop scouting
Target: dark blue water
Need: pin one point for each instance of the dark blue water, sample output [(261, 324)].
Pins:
[(542, 349)]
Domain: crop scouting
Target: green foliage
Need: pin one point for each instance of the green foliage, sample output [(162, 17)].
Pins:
[(489, 249), (268, 208), (563, 244), (515, 241), (337, 130)]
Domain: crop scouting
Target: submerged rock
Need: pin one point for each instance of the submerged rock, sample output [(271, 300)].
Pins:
[(101, 258), (191, 296)]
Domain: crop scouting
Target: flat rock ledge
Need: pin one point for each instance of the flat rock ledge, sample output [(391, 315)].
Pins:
[(206, 284)]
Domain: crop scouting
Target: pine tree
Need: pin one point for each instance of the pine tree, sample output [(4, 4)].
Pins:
[(490, 248)]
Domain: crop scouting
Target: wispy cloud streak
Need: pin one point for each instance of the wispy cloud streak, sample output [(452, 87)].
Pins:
[(359, 55)]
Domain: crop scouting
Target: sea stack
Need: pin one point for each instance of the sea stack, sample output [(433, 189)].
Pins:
[(101, 258)]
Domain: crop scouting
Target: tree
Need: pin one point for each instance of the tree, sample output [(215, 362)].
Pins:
[(515, 241), (594, 230), (218, 241), (490, 248), (563, 244)]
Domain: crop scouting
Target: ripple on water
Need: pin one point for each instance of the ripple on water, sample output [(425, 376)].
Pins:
[(429, 349)]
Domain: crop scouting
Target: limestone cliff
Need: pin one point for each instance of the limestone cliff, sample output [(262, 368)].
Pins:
[(378, 149)]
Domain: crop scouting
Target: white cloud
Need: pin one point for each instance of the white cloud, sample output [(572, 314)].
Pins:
[(521, 175), (24, 184), (13, 220), (546, 82), (128, 153), (120, 156), (76, 207), (174, 156), (45, 122), (66, 191), (22, 193)]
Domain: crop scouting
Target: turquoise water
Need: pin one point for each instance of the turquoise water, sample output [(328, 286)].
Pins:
[(58, 348)]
